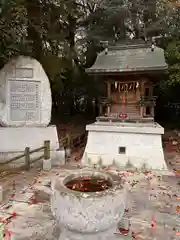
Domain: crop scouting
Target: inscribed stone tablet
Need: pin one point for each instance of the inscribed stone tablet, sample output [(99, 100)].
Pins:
[(24, 73), (24, 100), (26, 94)]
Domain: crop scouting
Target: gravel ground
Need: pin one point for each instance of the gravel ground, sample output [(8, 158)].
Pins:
[(150, 196)]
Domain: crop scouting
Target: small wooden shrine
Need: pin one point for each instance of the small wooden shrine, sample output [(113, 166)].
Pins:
[(130, 73)]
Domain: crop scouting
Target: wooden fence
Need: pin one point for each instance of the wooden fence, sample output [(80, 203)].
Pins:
[(66, 142), (73, 142), (28, 152)]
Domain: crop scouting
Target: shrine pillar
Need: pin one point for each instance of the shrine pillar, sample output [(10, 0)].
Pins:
[(108, 109), (152, 112), (142, 111), (108, 90), (142, 94), (100, 110), (109, 97)]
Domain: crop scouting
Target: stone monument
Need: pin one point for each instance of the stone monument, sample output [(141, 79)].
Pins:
[(25, 108)]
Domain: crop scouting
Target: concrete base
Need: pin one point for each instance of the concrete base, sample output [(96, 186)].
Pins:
[(14, 140), (47, 164), (136, 145), (60, 157), (68, 152)]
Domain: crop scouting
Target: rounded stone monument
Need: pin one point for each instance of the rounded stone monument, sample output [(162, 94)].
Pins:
[(88, 204), (25, 110), (25, 94)]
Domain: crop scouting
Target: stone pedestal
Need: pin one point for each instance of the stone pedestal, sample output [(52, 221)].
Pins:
[(87, 215), (105, 235), (16, 139), (47, 164), (136, 145)]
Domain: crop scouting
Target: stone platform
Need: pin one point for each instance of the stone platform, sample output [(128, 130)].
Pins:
[(16, 139), (136, 145)]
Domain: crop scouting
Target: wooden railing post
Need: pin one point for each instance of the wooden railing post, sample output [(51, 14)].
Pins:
[(68, 141), (46, 150), (68, 147), (27, 157), (1, 230)]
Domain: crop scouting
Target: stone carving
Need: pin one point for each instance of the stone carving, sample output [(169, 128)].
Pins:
[(87, 215), (24, 101), (25, 95), (129, 165)]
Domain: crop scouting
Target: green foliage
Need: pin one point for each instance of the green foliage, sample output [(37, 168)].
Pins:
[(12, 21), (65, 35), (172, 54), (116, 20)]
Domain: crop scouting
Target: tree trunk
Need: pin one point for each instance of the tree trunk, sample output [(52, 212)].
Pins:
[(34, 25), (71, 39)]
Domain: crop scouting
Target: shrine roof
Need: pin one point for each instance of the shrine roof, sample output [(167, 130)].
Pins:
[(129, 58)]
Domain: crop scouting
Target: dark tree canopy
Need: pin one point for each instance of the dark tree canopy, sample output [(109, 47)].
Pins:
[(66, 35)]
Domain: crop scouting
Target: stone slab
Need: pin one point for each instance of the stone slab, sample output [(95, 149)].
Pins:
[(24, 101), (25, 94), (149, 128), (16, 139), (142, 145)]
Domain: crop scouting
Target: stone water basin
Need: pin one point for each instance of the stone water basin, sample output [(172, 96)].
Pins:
[(88, 202)]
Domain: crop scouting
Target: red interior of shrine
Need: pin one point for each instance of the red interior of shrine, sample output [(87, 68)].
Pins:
[(129, 97)]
